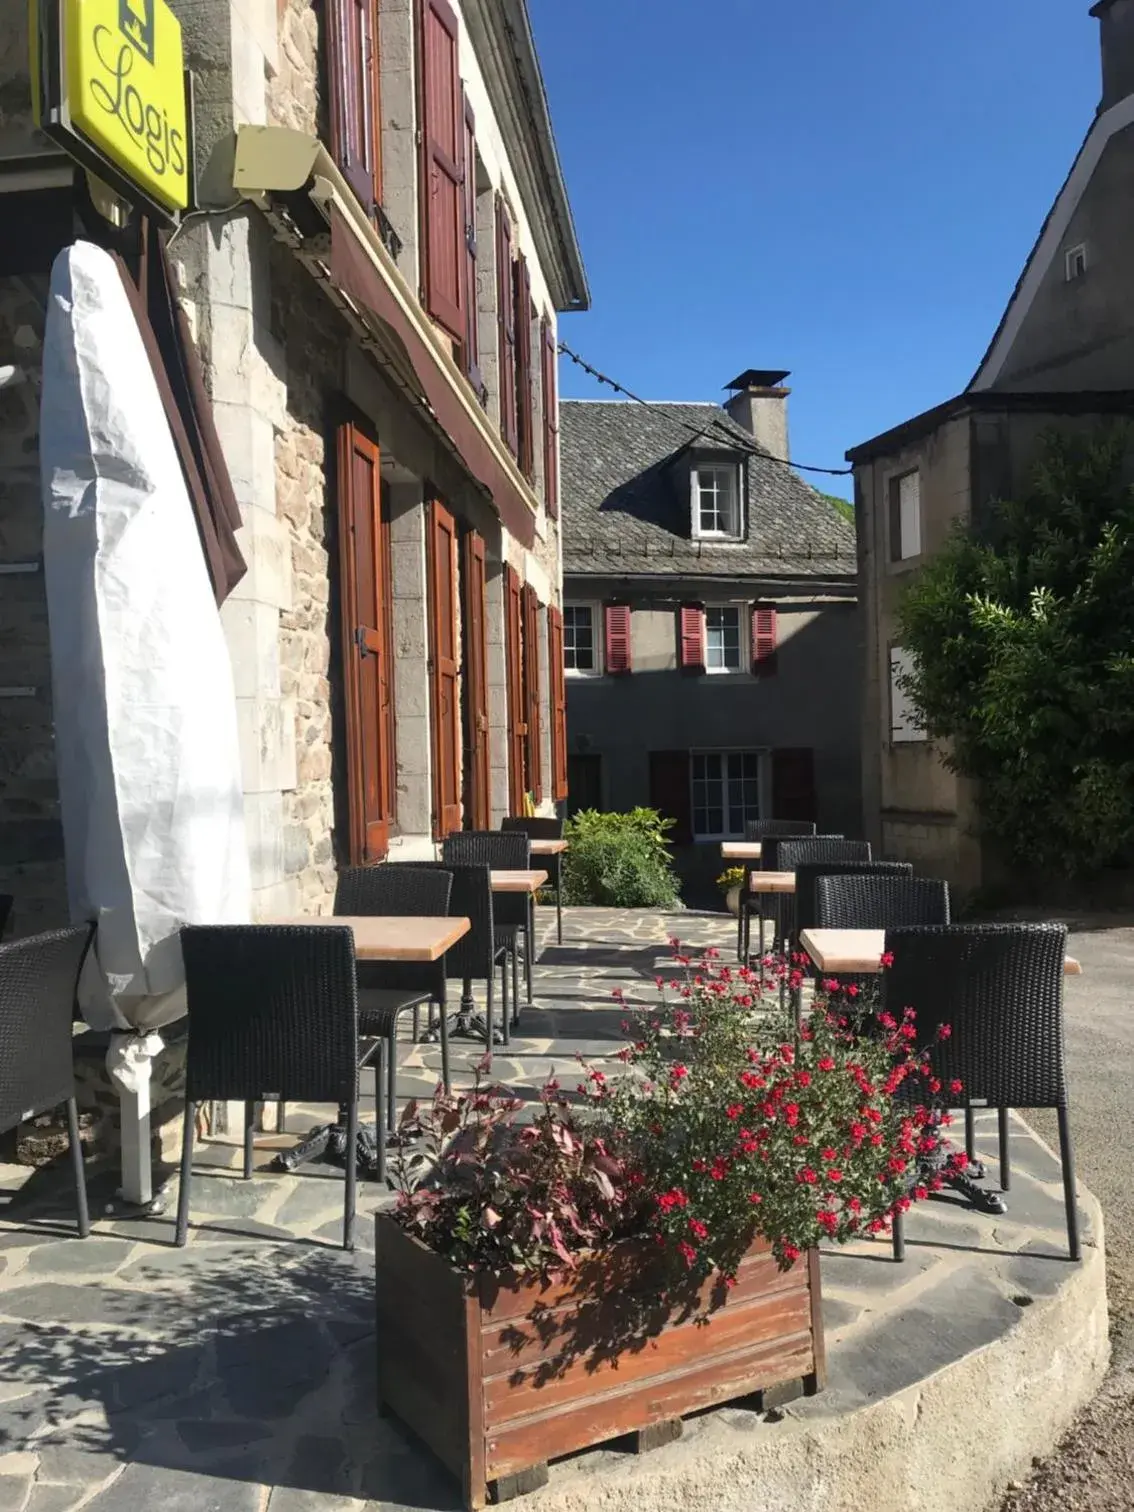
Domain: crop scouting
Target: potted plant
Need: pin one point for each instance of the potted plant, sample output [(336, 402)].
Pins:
[(650, 1248), (730, 882)]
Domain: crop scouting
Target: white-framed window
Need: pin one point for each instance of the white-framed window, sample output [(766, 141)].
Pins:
[(905, 516), (905, 727), (1075, 262), (723, 638), (716, 501), (725, 791), (581, 655)]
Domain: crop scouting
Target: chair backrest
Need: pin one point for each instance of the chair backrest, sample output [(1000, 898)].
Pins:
[(808, 873), (470, 897), (38, 977), (535, 829), (999, 988), (6, 901), (273, 1010), (500, 852), (867, 900), (393, 890), (782, 853), (776, 829)]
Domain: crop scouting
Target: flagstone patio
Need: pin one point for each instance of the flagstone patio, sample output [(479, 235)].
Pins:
[(237, 1375)]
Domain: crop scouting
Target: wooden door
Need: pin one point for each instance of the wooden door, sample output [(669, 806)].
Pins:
[(517, 712), (364, 559), (477, 799), (444, 693)]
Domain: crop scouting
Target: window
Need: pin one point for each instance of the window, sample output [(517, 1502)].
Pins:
[(1075, 263), (905, 516), (722, 638), (726, 792), (716, 502), (904, 723), (580, 653)]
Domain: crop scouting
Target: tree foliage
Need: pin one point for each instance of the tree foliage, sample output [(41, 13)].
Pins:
[(1022, 636)]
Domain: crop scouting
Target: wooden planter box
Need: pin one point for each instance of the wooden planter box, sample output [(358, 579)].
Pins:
[(499, 1379)]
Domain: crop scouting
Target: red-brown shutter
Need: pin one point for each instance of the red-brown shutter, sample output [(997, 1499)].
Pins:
[(443, 193), (670, 793), (445, 707), (364, 564), (352, 73), (525, 438), (764, 637), (550, 419), (514, 671), (557, 699), (532, 692), (476, 683), (506, 321), (616, 619), (793, 784), (692, 637), (472, 323)]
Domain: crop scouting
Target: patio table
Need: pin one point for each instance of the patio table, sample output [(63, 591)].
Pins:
[(858, 952), (741, 850), (528, 882), (549, 847)]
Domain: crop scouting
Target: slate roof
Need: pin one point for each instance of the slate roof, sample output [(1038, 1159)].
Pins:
[(626, 508)]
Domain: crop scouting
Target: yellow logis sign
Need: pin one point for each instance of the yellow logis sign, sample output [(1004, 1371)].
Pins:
[(125, 75)]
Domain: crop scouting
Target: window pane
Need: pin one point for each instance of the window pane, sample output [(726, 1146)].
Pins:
[(578, 638)]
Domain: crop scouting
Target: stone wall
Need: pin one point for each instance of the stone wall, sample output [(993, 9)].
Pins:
[(292, 96)]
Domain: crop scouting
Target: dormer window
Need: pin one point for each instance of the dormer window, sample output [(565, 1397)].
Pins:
[(716, 502)]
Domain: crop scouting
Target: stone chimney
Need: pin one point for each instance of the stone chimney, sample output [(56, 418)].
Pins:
[(1116, 22), (759, 405)]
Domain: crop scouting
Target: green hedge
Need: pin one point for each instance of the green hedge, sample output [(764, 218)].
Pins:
[(619, 860)]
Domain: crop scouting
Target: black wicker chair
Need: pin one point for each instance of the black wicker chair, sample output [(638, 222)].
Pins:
[(38, 977), (999, 987), (865, 900), (6, 901), (387, 989), (753, 903), (787, 855), (273, 1012), (545, 829), (512, 913), (476, 955), (809, 874)]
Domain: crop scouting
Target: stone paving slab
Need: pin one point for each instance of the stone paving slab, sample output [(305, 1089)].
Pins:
[(237, 1375)]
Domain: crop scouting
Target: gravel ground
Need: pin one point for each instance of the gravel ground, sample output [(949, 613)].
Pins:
[(1093, 1468)]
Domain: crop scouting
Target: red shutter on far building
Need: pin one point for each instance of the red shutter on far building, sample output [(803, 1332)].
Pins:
[(443, 150), (506, 318), (617, 625), (670, 794), (550, 418), (764, 640), (793, 784), (557, 699), (692, 637)]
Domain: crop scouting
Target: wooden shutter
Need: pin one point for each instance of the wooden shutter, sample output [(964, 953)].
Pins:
[(506, 321), (670, 794), (475, 660), (472, 323), (692, 637), (364, 561), (764, 640), (550, 419), (532, 692), (557, 700), (352, 72), (793, 784), (514, 671), (444, 703), (525, 439), (616, 621), (443, 191)]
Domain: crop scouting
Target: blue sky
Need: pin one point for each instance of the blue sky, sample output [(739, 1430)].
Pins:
[(845, 188)]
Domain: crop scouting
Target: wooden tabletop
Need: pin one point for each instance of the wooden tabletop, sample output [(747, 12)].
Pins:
[(549, 847), (860, 950), (773, 882), (518, 881), (741, 850), (400, 937)]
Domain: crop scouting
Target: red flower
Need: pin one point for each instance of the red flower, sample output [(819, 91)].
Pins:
[(687, 1253), (807, 1176), (698, 1229), (790, 1253), (827, 1220), (921, 1193), (854, 1205), (829, 1155), (896, 1164), (826, 1064), (834, 1175), (956, 1088), (803, 1078), (754, 1198), (734, 1110), (886, 958), (791, 1114), (944, 1031)]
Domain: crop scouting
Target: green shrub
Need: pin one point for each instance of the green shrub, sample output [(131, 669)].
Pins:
[(619, 860)]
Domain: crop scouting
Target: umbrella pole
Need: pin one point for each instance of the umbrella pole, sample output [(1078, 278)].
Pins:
[(130, 1062)]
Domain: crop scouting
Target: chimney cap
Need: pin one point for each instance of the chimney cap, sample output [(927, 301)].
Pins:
[(762, 378)]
